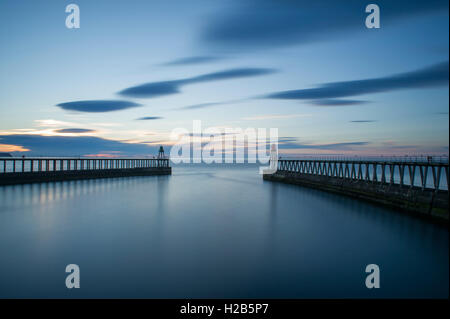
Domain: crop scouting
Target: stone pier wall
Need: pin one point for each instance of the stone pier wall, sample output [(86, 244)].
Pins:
[(424, 202), (51, 176)]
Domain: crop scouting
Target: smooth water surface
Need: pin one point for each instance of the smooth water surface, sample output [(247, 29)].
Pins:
[(211, 232)]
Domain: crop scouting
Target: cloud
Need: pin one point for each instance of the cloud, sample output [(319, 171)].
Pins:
[(432, 76), (155, 89), (331, 102), (331, 146), (74, 130), (363, 121), (7, 148), (200, 106), (208, 135), (289, 142), (192, 60), (265, 24), (97, 106), (74, 145), (209, 104), (54, 123), (147, 118), (275, 117), (286, 139)]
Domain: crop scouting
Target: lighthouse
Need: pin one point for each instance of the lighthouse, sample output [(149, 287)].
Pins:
[(161, 152), (273, 162)]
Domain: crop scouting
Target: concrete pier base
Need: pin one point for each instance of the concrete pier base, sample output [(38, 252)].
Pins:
[(51, 176), (423, 202)]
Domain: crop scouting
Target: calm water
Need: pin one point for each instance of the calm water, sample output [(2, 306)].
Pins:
[(211, 232)]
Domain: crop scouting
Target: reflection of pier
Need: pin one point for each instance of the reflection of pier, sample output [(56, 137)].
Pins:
[(41, 169), (419, 185)]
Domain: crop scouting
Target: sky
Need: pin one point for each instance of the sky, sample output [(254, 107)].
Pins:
[(136, 70)]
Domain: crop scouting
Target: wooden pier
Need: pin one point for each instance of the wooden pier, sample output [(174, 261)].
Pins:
[(46, 169), (419, 185)]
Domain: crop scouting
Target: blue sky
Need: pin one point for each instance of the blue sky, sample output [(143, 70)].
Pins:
[(313, 70)]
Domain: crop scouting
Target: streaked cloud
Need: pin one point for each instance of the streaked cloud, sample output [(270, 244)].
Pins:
[(267, 24), (363, 121), (331, 102), (74, 145), (331, 146), (8, 148), (97, 106), (432, 76), (199, 106), (74, 130), (155, 89), (104, 155), (274, 117), (148, 118), (205, 134), (192, 60), (53, 123), (210, 104)]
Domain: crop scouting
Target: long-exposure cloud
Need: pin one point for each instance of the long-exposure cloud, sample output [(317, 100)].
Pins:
[(97, 106), (433, 76), (192, 60), (155, 89), (75, 130), (331, 146), (267, 24), (338, 102), (74, 145), (149, 118)]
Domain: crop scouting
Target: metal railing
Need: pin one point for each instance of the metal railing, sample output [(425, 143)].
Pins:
[(411, 173), (439, 159), (53, 164)]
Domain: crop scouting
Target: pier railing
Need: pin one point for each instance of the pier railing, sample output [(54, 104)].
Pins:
[(415, 173), (51, 164), (439, 159)]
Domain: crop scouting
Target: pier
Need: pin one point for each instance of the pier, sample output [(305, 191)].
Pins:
[(20, 170), (418, 185)]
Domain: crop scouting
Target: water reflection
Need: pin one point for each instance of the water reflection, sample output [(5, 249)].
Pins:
[(211, 232)]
